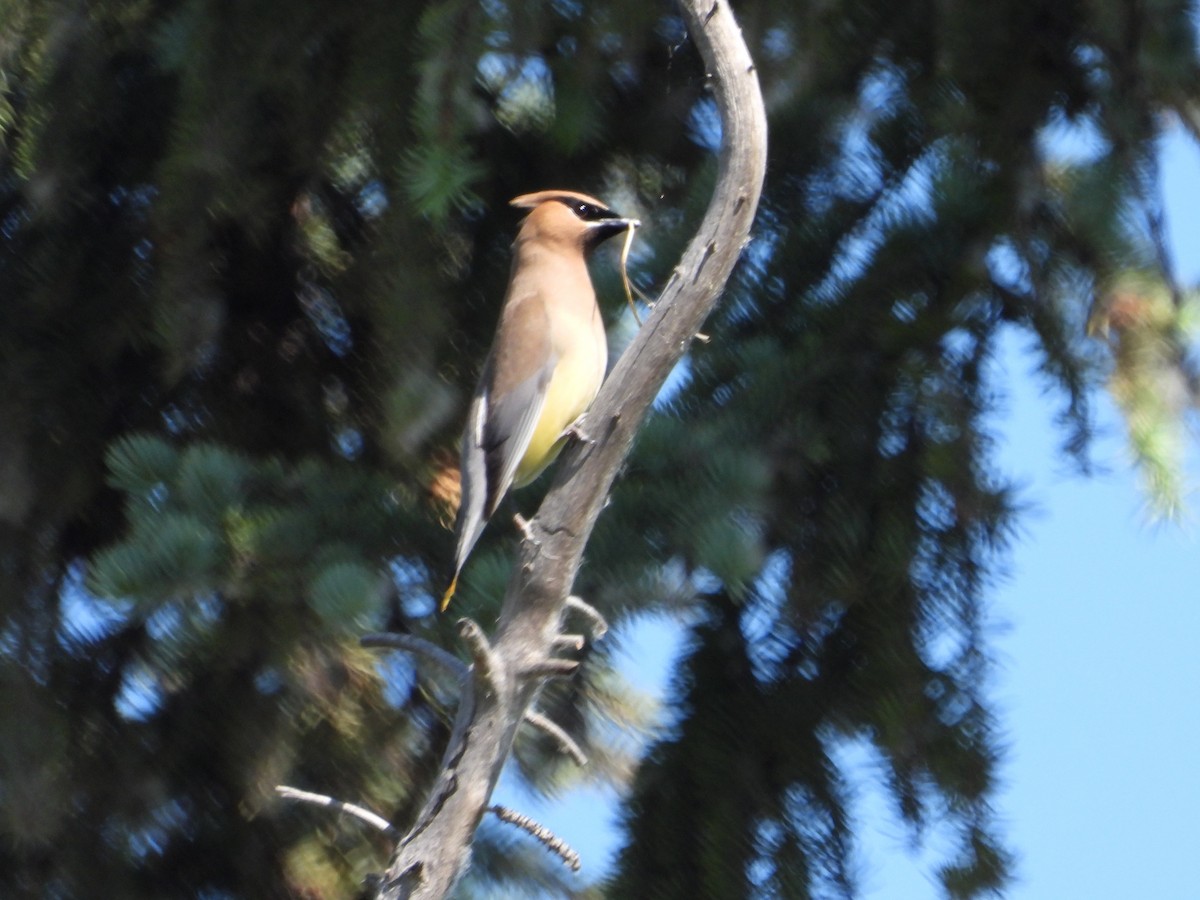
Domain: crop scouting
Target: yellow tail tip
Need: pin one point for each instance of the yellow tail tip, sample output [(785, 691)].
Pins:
[(449, 594)]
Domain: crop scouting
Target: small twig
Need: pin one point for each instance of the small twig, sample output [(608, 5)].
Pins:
[(365, 815), (481, 651), (651, 303), (568, 642), (544, 835), (644, 297), (410, 643), (525, 528), (551, 668), (599, 623), (565, 742)]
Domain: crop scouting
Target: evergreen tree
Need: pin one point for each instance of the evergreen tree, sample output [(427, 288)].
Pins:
[(250, 257)]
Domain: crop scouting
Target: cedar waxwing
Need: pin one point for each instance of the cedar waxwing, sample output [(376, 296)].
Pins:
[(547, 359)]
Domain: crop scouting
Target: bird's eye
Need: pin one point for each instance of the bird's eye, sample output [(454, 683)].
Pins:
[(588, 212)]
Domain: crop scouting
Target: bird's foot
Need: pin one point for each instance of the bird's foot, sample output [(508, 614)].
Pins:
[(577, 431), (526, 529)]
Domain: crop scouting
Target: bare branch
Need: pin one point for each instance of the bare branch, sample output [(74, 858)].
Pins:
[(509, 670), (410, 643), (599, 623), (548, 838), (565, 742), (358, 812), (551, 668), (568, 642), (486, 664)]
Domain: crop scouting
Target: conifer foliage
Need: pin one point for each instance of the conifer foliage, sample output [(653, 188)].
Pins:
[(251, 255)]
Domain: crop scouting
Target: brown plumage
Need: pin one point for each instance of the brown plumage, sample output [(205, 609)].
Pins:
[(547, 360)]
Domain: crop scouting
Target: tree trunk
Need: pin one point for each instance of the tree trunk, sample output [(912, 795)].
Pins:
[(507, 673)]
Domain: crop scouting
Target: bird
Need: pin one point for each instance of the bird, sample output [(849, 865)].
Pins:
[(546, 362)]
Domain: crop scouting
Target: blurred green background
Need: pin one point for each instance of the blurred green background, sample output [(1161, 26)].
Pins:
[(250, 259)]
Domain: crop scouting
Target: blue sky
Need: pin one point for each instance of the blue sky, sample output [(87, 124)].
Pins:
[(1097, 639)]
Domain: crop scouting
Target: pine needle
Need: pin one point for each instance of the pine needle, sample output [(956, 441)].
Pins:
[(631, 288), (625, 272)]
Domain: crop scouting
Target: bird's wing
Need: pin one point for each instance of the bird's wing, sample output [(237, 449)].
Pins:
[(521, 367), (507, 405), (474, 482)]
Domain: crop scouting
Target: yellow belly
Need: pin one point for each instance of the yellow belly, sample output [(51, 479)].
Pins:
[(571, 390)]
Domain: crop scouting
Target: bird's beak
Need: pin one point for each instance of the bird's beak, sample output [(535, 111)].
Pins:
[(602, 229)]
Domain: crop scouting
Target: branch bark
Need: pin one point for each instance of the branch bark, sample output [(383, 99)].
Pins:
[(429, 860)]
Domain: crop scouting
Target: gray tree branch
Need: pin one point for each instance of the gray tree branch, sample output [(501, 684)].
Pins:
[(351, 809), (510, 669)]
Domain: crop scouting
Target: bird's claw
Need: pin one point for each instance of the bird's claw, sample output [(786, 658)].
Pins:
[(526, 529), (576, 430)]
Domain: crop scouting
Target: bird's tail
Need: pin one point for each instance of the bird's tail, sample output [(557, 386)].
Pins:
[(446, 597)]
